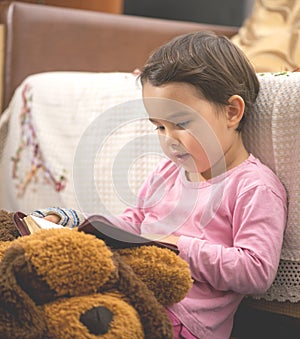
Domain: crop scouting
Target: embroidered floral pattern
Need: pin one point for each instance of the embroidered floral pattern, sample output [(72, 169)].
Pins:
[(28, 141)]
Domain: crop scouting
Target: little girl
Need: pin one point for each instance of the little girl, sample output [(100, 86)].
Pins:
[(220, 205)]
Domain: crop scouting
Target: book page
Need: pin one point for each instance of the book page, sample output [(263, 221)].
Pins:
[(43, 223), (31, 224)]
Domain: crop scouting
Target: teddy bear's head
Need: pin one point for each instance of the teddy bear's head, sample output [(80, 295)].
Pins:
[(61, 283)]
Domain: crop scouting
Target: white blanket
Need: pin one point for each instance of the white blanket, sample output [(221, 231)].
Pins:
[(47, 117)]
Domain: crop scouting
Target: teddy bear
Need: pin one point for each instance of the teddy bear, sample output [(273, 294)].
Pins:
[(62, 283)]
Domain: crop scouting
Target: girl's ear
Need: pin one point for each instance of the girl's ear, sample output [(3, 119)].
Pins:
[(235, 110)]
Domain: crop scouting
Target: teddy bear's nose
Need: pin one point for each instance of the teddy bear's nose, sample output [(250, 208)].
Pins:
[(97, 320)]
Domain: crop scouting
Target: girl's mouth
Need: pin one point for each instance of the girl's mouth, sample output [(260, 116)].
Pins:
[(181, 157)]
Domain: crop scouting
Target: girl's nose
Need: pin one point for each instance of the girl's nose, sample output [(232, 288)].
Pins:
[(170, 139), (170, 133)]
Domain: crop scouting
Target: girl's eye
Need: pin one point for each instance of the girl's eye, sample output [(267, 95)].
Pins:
[(183, 124), (159, 128)]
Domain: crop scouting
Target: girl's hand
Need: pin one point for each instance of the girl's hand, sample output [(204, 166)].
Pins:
[(53, 218), (169, 239)]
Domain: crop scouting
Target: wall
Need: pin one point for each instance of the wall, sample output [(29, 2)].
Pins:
[(223, 12), (110, 6), (1, 61)]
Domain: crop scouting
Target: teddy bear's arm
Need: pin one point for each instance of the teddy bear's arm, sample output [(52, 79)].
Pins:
[(166, 274)]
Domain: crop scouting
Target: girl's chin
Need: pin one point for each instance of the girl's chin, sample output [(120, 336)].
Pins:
[(188, 163), (198, 174)]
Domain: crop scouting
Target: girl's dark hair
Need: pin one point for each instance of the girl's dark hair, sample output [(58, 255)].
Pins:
[(211, 63)]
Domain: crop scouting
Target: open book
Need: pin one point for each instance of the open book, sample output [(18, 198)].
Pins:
[(113, 236), (28, 224)]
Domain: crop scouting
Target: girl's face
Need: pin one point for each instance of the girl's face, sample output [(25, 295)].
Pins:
[(193, 132)]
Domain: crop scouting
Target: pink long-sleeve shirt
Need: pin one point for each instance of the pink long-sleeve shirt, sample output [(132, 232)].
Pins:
[(230, 232)]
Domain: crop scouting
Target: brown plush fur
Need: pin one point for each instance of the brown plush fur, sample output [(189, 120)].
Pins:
[(53, 280), (161, 279), (8, 231)]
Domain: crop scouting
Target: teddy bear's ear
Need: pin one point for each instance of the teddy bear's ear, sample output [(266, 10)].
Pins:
[(154, 319), (20, 317)]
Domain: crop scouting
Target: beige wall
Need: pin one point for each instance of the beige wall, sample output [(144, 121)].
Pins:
[(1, 61)]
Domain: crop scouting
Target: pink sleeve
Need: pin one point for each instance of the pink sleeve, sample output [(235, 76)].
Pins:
[(249, 266)]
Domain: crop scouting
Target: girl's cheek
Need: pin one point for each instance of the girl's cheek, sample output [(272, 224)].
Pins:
[(191, 144)]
